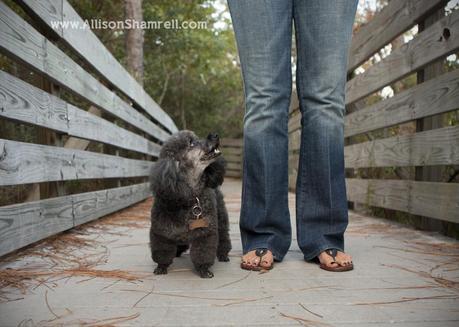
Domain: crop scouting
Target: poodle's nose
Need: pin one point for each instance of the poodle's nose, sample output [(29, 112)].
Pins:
[(212, 137)]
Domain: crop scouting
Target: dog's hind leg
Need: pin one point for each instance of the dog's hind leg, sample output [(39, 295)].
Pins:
[(224, 241), (163, 252), (203, 251)]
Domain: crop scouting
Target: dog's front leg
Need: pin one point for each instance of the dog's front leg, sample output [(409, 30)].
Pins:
[(163, 252), (203, 251)]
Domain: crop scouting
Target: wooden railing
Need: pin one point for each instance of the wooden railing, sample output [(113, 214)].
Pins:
[(437, 93), (131, 121), (232, 150)]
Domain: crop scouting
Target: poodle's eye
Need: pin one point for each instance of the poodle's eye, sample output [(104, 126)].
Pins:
[(192, 144)]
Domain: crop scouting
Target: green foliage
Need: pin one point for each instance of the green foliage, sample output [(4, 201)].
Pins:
[(192, 73)]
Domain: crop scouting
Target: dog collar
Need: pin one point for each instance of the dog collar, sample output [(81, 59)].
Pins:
[(197, 221)]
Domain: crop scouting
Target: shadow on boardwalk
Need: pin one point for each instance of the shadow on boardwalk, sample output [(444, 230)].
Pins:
[(101, 274)]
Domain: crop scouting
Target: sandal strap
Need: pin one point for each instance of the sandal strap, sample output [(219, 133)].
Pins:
[(261, 252), (332, 253)]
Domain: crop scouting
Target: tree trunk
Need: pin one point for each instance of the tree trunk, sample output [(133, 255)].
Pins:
[(134, 40)]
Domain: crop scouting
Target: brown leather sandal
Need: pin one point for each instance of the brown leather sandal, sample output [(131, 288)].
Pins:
[(259, 253), (340, 268)]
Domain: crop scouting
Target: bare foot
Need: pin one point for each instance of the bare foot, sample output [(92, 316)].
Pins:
[(342, 259), (251, 259)]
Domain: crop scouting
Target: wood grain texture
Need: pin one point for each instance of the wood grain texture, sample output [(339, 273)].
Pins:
[(231, 151), (26, 223), (85, 43), (393, 20), (85, 125), (25, 103), (22, 163), (430, 199), (233, 173), (294, 121), (234, 166), (233, 158), (429, 45), (434, 147), (227, 142), (435, 96), (89, 206), (22, 42)]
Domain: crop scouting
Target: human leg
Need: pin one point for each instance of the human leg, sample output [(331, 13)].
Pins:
[(323, 33), (263, 32)]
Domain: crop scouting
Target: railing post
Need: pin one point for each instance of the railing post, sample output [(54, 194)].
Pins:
[(430, 174)]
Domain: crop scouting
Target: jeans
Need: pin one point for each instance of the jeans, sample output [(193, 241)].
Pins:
[(323, 30)]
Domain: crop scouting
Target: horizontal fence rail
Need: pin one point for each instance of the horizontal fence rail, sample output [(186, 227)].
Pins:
[(22, 42), (438, 41), (129, 133), (26, 223), (26, 103), (23, 163), (232, 150), (85, 43)]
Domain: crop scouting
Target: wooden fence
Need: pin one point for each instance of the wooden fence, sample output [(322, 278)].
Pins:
[(86, 70), (431, 145), (232, 150)]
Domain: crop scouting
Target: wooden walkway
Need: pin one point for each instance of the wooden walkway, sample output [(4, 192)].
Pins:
[(101, 274)]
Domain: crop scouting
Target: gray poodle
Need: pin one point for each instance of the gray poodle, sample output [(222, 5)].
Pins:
[(188, 208)]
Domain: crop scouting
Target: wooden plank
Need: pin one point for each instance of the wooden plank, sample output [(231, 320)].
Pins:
[(294, 102), (85, 43), (397, 17), (25, 103), (22, 163), (81, 144), (432, 97), (230, 151), (435, 69), (437, 41), (294, 121), (294, 140), (430, 199), (435, 147), (90, 206), (234, 159), (233, 173), (22, 42), (228, 142), (234, 165), (88, 126), (26, 223)]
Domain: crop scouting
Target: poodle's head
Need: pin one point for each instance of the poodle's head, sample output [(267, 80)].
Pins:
[(191, 152), (187, 164)]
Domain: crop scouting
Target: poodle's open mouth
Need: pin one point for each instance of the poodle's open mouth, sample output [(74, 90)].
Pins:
[(213, 153)]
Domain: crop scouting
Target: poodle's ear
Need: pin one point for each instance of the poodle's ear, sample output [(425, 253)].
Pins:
[(168, 184), (215, 173)]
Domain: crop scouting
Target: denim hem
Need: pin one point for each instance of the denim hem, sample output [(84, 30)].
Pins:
[(312, 254)]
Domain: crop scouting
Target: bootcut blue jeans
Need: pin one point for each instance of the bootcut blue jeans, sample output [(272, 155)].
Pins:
[(323, 30)]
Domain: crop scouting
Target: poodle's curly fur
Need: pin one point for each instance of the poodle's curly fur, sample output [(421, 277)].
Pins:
[(188, 169)]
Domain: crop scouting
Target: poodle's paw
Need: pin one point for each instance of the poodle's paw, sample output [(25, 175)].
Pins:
[(223, 258), (206, 274), (204, 271), (160, 270)]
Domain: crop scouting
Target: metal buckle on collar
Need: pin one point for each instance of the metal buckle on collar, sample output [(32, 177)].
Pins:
[(197, 209), (197, 221)]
